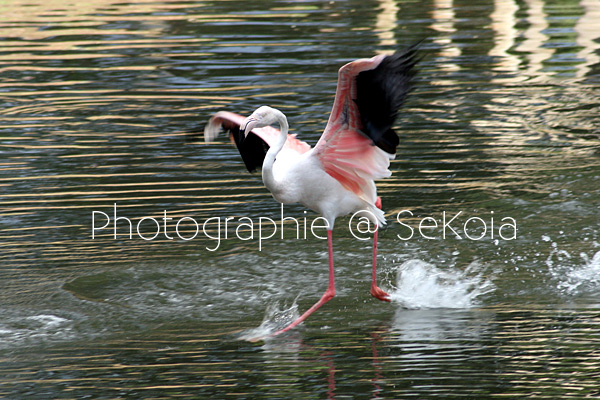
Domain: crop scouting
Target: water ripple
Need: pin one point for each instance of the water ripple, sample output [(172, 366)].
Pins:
[(101, 103)]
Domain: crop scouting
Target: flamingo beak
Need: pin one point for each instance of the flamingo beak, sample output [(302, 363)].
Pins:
[(247, 126)]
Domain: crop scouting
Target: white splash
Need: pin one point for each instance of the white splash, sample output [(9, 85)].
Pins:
[(19, 330), (582, 278), (423, 285), (47, 321), (275, 319)]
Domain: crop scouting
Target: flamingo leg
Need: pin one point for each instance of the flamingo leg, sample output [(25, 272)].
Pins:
[(328, 295), (376, 290)]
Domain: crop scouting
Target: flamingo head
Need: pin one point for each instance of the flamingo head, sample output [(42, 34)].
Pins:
[(262, 116)]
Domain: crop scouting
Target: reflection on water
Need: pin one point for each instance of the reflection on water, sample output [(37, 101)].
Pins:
[(386, 23), (443, 16), (587, 28), (503, 25), (535, 38), (98, 102)]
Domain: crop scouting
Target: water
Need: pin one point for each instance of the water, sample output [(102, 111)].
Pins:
[(100, 103)]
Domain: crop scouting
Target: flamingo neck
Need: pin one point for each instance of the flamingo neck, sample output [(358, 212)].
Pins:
[(267, 169)]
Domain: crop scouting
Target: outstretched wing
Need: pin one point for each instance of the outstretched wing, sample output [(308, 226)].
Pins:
[(358, 141), (254, 147)]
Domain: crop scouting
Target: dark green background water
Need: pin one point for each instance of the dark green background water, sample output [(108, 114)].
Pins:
[(98, 99)]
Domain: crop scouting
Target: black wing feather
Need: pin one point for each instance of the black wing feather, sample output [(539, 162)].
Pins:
[(380, 94), (252, 148)]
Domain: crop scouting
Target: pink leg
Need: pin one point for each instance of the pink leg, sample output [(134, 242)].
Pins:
[(376, 290), (328, 295)]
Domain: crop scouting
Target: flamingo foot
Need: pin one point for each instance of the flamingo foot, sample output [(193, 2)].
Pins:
[(328, 295), (379, 294)]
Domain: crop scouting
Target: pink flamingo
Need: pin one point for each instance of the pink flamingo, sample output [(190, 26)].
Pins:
[(336, 177)]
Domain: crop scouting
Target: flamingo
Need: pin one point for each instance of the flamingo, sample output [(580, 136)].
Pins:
[(336, 177)]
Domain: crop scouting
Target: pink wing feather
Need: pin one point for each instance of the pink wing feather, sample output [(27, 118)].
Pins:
[(229, 120), (345, 153)]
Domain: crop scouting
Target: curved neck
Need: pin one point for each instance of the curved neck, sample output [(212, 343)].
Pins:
[(267, 168)]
